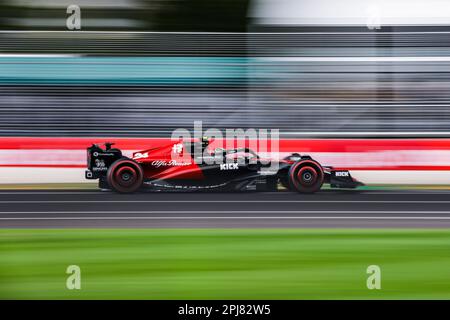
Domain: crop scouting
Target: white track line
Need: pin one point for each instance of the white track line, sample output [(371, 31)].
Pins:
[(344, 212), (221, 201), (230, 218)]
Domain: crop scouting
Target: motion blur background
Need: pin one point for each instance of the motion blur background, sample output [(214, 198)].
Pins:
[(357, 84), (143, 68), (311, 68)]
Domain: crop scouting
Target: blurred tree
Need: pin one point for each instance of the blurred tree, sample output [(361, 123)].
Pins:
[(202, 15), (157, 15)]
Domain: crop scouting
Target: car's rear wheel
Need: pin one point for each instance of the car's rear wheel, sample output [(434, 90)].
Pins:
[(306, 176), (125, 176)]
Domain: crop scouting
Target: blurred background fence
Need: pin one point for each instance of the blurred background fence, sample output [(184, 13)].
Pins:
[(311, 82)]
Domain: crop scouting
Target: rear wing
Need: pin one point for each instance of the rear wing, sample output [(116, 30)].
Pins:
[(99, 160)]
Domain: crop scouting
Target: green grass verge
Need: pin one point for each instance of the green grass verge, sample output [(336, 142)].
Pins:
[(224, 263)]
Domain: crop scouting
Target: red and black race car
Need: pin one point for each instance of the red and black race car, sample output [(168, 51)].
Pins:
[(185, 166)]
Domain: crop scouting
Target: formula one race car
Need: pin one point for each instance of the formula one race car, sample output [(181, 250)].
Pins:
[(185, 166)]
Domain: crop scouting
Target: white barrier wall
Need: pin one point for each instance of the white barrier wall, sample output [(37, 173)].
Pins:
[(372, 161)]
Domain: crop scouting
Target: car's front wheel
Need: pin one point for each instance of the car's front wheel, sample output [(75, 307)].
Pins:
[(125, 176), (306, 176)]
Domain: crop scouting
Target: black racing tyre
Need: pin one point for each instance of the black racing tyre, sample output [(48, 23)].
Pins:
[(125, 176), (306, 176), (103, 183)]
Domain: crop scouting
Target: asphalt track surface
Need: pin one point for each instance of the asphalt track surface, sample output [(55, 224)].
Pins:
[(326, 209)]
